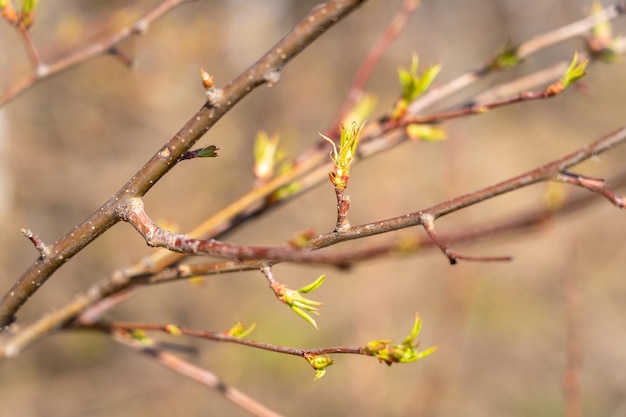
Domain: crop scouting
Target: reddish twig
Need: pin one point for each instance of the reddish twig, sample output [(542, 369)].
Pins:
[(598, 186), (43, 249), (33, 55), (453, 256), (216, 336)]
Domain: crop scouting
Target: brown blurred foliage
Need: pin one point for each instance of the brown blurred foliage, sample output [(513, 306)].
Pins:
[(73, 140)]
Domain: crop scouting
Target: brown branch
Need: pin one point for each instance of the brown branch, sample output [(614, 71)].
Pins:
[(453, 256), (265, 70), (86, 53)]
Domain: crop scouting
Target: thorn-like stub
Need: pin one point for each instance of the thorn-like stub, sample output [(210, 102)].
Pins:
[(44, 250)]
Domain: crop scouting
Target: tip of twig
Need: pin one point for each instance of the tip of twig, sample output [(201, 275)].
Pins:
[(43, 249)]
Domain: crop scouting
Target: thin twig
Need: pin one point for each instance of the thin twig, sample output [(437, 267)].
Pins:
[(598, 186), (33, 55), (453, 256), (216, 336)]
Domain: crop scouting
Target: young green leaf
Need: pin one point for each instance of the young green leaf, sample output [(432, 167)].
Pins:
[(413, 84), (28, 6), (300, 305), (313, 286), (507, 58)]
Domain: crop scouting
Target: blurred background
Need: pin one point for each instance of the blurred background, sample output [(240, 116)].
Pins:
[(72, 141)]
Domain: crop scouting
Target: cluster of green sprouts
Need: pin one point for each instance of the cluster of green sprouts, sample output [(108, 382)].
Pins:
[(404, 352), (384, 350)]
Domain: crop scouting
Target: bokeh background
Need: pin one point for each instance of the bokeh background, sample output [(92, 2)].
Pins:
[(70, 142)]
